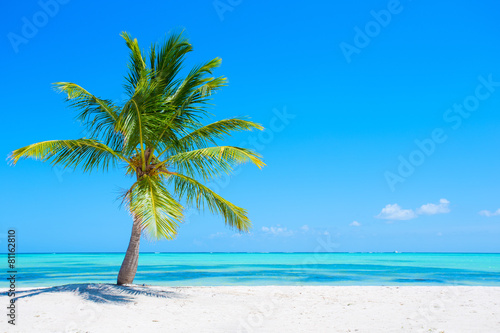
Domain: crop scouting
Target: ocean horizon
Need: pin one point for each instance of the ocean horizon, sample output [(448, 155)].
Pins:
[(264, 268), (156, 252)]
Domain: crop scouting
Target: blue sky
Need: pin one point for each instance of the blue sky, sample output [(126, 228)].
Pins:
[(382, 122)]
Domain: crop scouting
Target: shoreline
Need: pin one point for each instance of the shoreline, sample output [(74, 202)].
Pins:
[(109, 308)]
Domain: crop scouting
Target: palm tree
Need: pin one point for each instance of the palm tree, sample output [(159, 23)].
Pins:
[(158, 135)]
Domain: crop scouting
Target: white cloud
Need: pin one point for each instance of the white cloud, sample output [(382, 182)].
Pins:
[(277, 231), (432, 209), (395, 212), (488, 213), (305, 228), (227, 235), (217, 235), (355, 224)]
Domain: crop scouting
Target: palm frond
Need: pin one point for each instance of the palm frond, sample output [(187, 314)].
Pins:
[(137, 64), (87, 153), (159, 212), (212, 161), (200, 196), (190, 105), (168, 60), (99, 116), (138, 120), (209, 134), (186, 117), (197, 83)]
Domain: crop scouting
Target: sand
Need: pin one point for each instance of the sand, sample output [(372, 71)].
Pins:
[(111, 308)]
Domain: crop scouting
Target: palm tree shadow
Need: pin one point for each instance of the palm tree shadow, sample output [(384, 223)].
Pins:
[(100, 293)]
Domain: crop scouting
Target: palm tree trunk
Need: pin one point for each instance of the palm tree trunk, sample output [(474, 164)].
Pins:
[(129, 265)]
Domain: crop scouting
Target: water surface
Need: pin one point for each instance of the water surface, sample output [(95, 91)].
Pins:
[(254, 269)]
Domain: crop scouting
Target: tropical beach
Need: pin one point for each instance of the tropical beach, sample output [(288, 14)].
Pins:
[(262, 292), (110, 308), (233, 166)]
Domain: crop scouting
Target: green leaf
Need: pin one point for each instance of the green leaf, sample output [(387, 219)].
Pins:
[(209, 134), (87, 153), (159, 212), (212, 161), (98, 115), (200, 196)]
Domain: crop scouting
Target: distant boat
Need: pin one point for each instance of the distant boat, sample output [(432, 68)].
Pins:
[(396, 252)]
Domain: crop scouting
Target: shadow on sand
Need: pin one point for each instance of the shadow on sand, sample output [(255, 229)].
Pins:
[(100, 293)]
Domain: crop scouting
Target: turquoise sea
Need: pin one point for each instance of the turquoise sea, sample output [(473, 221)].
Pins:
[(253, 269)]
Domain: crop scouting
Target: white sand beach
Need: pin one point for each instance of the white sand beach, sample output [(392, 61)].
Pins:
[(111, 308)]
